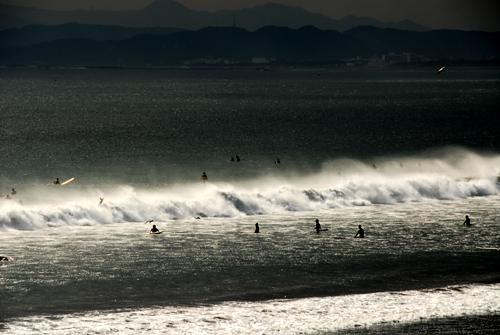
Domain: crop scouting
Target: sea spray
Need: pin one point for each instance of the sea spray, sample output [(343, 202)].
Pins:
[(357, 187)]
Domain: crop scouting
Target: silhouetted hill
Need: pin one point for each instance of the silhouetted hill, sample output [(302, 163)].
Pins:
[(169, 13), (34, 34), (437, 44), (239, 45)]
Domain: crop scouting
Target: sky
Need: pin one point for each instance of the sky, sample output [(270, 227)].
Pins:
[(435, 14)]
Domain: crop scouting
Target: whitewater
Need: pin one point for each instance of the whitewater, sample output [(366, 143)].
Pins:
[(342, 183), (404, 154)]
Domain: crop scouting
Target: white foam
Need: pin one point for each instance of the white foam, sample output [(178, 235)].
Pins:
[(274, 317), (447, 178)]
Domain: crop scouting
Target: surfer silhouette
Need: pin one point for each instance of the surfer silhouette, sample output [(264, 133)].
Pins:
[(100, 201), (14, 192), (467, 221), (360, 233), (154, 230), (7, 196), (56, 182), (232, 159), (237, 159), (318, 226), (204, 177), (256, 228), (277, 161)]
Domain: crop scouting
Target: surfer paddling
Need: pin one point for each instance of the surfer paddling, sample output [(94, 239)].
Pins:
[(360, 233), (154, 230)]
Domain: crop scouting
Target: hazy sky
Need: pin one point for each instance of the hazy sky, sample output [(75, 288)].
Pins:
[(435, 14)]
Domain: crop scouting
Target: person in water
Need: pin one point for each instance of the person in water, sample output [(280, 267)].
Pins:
[(56, 182), (318, 226), (237, 159), (154, 230), (14, 192), (360, 233), (100, 201), (467, 221), (204, 177), (256, 228)]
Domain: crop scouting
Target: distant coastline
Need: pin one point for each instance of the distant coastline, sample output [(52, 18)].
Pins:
[(288, 66)]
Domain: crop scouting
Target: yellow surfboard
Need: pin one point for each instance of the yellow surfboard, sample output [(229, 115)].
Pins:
[(68, 181)]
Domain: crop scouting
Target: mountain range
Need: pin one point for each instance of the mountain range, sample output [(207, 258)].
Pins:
[(166, 33), (232, 44), (169, 13)]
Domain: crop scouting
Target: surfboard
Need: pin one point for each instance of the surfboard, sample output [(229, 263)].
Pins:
[(462, 224), (323, 229), (68, 181), (156, 232), (342, 237), (485, 248)]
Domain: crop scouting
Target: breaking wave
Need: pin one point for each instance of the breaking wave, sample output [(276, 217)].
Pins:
[(341, 183)]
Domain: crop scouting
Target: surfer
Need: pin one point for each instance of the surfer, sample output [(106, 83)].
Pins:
[(154, 230), (360, 233), (232, 159), (204, 177), (14, 192), (149, 221), (277, 161), (237, 159), (318, 226), (467, 221), (7, 197), (256, 228), (100, 201), (56, 182)]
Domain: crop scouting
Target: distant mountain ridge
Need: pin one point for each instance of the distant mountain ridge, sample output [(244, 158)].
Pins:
[(34, 34), (169, 13), (307, 44)]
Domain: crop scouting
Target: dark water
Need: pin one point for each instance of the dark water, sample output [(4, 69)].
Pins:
[(141, 139), (140, 126)]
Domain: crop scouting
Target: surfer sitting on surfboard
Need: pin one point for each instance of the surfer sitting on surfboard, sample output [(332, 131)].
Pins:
[(154, 230), (256, 228), (467, 221), (360, 233), (318, 226), (204, 177), (56, 182)]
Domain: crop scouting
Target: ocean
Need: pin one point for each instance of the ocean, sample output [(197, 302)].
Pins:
[(405, 154)]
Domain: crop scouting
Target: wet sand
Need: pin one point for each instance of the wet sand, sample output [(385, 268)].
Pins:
[(474, 324)]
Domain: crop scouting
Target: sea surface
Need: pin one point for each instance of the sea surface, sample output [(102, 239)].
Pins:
[(404, 154)]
